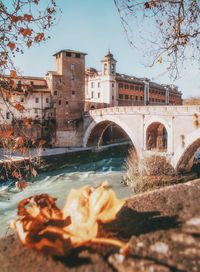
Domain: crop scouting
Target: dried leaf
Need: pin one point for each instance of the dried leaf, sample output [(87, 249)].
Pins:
[(42, 225), (41, 143), (16, 174), (19, 107), (34, 172), (39, 37), (11, 46), (25, 31), (29, 43), (28, 17), (13, 74)]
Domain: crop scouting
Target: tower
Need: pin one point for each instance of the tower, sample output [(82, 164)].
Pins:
[(108, 79), (108, 65), (68, 96)]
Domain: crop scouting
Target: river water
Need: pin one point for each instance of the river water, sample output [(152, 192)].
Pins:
[(71, 171)]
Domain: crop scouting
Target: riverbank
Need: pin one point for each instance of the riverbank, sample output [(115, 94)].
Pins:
[(46, 152), (162, 228), (46, 159)]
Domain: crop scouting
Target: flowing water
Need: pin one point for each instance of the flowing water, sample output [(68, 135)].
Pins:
[(72, 171)]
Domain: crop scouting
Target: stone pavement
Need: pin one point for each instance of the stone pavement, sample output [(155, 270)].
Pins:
[(162, 229)]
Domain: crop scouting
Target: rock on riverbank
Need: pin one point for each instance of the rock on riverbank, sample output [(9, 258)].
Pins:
[(162, 228)]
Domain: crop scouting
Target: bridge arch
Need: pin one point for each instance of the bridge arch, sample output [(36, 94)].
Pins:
[(107, 121), (184, 154), (156, 123)]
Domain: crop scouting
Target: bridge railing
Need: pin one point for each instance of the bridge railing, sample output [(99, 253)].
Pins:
[(146, 110)]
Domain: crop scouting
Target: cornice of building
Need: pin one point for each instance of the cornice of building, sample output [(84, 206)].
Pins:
[(69, 51)]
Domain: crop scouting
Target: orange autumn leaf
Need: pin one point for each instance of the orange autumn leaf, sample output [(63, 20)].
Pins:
[(7, 94), (19, 107), (13, 73), (29, 43), (39, 220), (23, 150), (11, 46), (19, 141), (6, 134), (28, 17), (27, 122), (39, 37), (3, 62), (25, 31), (41, 143), (16, 174)]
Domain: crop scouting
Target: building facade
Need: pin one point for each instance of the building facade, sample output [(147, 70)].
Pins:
[(107, 88), (56, 103)]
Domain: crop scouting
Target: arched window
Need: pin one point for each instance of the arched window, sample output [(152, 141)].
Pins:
[(105, 68), (112, 68)]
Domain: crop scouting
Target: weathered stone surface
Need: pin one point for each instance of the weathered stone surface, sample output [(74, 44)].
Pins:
[(162, 229)]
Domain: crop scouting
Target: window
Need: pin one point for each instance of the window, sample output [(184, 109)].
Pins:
[(99, 84), (120, 96), (126, 86), (132, 87), (92, 94), (105, 68), (113, 85), (78, 56), (141, 98), (121, 86), (113, 68), (22, 100), (67, 103), (72, 66), (113, 97), (68, 54), (137, 88), (92, 84), (73, 92), (141, 88), (55, 92), (47, 100), (131, 97), (126, 96), (36, 110), (72, 77), (98, 95), (59, 102), (32, 83), (136, 98), (7, 115), (36, 100)]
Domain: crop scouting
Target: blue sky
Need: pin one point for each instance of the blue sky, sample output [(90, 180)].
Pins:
[(93, 26)]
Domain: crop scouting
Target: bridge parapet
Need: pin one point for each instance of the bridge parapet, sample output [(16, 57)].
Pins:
[(160, 110)]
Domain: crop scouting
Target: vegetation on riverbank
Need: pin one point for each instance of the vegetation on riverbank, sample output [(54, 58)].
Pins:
[(151, 173)]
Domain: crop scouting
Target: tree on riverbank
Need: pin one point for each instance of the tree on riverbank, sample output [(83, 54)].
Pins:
[(169, 30), (23, 25), (192, 101)]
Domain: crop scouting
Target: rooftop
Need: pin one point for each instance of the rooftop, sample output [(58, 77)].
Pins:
[(69, 51)]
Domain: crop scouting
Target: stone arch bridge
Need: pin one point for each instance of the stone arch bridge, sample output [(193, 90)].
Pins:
[(171, 131)]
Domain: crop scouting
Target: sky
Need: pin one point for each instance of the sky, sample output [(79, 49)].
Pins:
[(93, 27)]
